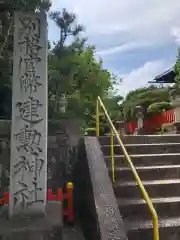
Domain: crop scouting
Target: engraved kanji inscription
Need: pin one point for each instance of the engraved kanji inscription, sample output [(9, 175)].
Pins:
[(31, 47), (29, 140), (29, 36), (29, 25), (28, 178), (34, 195), (30, 63), (33, 165), (21, 166), (29, 40), (29, 81), (27, 197), (29, 110), (21, 197)]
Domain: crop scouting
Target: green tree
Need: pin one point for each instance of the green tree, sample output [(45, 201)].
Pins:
[(177, 70), (90, 81), (67, 24), (74, 72), (151, 98), (85, 80), (62, 58), (159, 107)]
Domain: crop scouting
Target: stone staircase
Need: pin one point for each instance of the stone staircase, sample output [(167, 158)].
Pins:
[(157, 160)]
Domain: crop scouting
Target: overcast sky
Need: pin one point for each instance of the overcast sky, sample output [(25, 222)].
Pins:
[(137, 39)]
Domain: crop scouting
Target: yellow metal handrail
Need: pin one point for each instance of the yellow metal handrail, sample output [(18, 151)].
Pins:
[(136, 176)]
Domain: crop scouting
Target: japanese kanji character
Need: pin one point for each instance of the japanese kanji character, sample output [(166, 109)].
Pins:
[(21, 197), (26, 197), (34, 194), (29, 140), (29, 80), (29, 110), (21, 166), (30, 26), (31, 48), (30, 36)]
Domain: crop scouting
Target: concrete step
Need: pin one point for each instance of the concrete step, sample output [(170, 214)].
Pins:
[(147, 172), (140, 139), (154, 148), (165, 207), (169, 229), (146, 159), (155, 188)]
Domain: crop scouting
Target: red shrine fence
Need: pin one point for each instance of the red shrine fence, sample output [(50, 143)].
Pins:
[(155, 122)]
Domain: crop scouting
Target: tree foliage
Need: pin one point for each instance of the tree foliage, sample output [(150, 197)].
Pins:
[(177, 70), (149, 98), (75, 73), (67, 24), (159, 107)]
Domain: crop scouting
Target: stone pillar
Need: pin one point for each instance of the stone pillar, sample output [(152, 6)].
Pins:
[(28, 163), (62, 103), (140, 117), (30, 217), (120, 127)]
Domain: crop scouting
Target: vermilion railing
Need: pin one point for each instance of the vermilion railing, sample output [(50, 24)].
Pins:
[(59, 196), (155, 122)]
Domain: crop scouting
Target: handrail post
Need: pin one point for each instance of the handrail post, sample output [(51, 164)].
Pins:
[(112, 155), (155, 227), (97, 118)]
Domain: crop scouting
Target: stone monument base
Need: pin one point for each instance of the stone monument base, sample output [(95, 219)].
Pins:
[(140, 131), (35, 227), (177, 127)]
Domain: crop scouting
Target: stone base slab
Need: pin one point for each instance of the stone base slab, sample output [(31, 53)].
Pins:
[(139, 131), (35, 227), (177, 127)]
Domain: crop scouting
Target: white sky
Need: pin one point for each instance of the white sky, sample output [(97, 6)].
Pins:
[(129, 25)]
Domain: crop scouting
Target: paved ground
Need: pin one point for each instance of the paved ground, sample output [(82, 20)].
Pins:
[(72, 233)]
